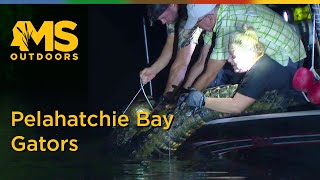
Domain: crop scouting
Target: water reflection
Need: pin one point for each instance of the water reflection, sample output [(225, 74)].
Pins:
[(300, 162), (180, 170)]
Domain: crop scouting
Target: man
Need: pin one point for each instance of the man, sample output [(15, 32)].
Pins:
[(168, 14), (281, 42)]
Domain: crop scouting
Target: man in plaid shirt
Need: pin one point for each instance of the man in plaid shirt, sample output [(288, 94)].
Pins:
[(281, 42)]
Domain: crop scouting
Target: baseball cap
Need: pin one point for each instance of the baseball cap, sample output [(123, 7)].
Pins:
[(155, 10), (196, 12)]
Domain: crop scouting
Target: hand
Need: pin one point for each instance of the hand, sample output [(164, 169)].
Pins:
[(147, 74), (195, 99)]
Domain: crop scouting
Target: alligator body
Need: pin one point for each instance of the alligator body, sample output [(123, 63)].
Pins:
[(154, 142)]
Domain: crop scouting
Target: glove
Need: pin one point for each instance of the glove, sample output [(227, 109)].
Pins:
[(195, 99), (167, 99), (172, 96), (184, 94), (182, 98)]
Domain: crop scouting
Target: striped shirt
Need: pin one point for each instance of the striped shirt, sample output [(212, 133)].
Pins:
[(279, 38)]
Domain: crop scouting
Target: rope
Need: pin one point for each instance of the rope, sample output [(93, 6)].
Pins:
[(304, 95), (313, 38), (316, 75), (141, 88), (144, 93)]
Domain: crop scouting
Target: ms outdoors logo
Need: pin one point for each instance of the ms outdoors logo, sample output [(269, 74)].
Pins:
[(23, 31)]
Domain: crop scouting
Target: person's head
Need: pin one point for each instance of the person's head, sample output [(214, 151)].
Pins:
[(202, 15), (245, 49), (166, 13)]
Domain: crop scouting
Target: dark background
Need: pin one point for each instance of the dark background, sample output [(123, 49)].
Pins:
[(106, 76), (117, 53)]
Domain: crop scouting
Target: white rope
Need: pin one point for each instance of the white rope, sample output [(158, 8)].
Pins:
[(316, 75), (141, 88), (313, 39), (131, 101), (144, 93), (304, 95)]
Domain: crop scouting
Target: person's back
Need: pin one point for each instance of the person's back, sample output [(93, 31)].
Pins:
[(280, 40), (262, 74)]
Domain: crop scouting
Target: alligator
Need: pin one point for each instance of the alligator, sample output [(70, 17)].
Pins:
[(148, 142)]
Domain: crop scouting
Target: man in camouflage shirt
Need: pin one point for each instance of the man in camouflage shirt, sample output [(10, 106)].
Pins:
[(168, 14), (282, 43)]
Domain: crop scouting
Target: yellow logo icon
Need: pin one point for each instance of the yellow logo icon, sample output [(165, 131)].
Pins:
[(24, 32)]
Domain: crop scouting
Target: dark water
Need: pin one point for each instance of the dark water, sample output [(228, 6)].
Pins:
[(95, 165)]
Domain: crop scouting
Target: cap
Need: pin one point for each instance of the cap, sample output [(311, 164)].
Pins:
[(155, 10), (196, 12)]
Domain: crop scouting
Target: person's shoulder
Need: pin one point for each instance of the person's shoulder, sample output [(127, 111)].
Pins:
[(264, 63), (170, 28), (171, 25), (267, 65), (266, 59)]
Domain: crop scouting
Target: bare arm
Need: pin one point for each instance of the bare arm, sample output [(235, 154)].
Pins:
[(213, 67), (165, 55), (147, 74), (180, 66), (198, 67), (234, 105)]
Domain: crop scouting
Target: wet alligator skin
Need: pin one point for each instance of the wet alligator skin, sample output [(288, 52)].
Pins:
[(155, 142), (125, 134)]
